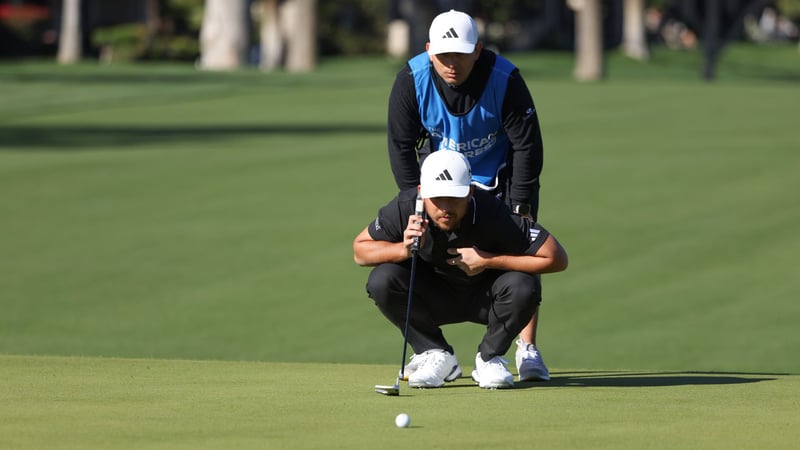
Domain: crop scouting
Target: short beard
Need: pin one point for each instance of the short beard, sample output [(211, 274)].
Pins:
[(449, 227)]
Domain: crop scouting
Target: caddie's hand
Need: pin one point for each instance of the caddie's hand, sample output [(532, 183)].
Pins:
[(522, 210), (415, 229), (469, 259)]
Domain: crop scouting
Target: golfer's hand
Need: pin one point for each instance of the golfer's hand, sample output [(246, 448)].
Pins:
[(415, 229), (468, 259)]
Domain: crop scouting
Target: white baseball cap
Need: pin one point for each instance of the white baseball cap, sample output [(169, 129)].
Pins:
[(445, 173), (452, 32)]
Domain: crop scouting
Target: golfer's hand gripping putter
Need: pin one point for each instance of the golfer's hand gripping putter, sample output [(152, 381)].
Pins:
[(419, 210)]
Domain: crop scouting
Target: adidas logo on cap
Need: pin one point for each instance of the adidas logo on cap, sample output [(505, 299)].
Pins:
[(451, 33), (444, 176)]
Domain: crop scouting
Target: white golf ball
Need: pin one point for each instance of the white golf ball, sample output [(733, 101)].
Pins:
[(402, 420)]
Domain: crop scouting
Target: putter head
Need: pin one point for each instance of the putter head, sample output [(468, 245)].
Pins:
[(392, 391)]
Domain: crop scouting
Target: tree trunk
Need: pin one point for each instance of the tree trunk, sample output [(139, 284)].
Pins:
[(69, 42), (588, 40), (271, 36), (223, 36), (301, 43), (398, 36), (711, 39), (153, 18), (398, 29), (634, 40), (152, 24)]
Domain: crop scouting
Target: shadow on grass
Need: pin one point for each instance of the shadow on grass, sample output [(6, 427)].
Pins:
[(647, 379), (66, 138), (623, 379)]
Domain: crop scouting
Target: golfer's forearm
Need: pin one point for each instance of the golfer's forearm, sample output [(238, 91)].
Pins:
[(551, 258), (528, 264), (372, 253)]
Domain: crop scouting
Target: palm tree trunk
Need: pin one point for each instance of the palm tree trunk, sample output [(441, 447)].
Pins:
[(301, 48), (224, 35), (271, 36), (69, 42), (588, 40), (634, 38)]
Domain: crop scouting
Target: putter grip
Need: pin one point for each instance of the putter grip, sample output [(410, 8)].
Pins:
[(419, 210)]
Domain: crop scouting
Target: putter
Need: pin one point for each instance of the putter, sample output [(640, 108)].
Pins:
[(394, 390)]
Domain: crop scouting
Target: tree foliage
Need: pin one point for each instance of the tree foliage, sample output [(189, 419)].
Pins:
[(789, 8)]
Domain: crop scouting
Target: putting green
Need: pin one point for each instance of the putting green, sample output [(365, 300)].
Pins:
[(80, 403)]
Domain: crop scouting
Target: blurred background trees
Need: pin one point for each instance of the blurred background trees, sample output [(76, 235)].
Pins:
[(293, 34)]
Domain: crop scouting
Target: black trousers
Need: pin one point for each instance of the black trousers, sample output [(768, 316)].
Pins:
[(504, 303)]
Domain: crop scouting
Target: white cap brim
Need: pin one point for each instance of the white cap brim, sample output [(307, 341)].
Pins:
[(444, 191), (450, 47)]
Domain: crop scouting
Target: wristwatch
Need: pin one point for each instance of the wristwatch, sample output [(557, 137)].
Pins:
[(522, 209)]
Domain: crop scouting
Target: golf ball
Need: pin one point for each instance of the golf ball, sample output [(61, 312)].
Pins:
[(402, 420)]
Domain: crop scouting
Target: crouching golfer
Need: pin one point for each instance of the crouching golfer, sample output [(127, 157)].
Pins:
[(477, 262)]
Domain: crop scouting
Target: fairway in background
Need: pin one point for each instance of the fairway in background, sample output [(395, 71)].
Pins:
[(160, 212)]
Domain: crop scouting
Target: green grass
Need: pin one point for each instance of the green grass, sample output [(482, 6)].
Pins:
[(151, 215), (78, 403)]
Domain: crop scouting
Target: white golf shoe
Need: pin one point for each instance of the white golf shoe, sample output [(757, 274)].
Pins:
[(432, 368), (412, 366), (530, 365), (492, 374), (417, 360)]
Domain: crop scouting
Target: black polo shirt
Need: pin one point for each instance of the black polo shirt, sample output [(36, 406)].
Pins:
[(488, 225)]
